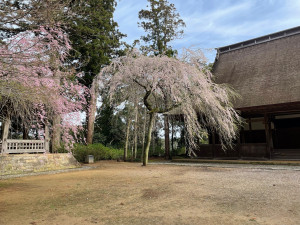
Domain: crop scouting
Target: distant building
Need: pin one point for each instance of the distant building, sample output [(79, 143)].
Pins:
[(265, 71)]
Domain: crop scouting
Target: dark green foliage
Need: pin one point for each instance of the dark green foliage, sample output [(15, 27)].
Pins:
[(94, 36), (99, 151), (179, 151), (109, 128), (162, 24)]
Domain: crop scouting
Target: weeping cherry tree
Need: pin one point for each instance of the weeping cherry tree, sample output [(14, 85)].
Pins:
[(165, 85)]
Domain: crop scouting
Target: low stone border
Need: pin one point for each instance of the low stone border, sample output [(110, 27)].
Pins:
[(13, 164)]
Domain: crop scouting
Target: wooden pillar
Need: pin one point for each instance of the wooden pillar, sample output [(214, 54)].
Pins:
[(239, 146), (6, 126), (268, 131), (243, 140), (250, 130), (275, 143), (47, 138), (213, 138)]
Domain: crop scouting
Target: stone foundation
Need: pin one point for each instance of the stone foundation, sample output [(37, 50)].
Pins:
[(30, 163)]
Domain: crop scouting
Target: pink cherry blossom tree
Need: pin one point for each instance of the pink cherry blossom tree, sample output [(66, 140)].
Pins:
[(35, 81), (178, 86)]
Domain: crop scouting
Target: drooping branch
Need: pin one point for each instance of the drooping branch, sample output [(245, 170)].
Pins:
[(175, 84)]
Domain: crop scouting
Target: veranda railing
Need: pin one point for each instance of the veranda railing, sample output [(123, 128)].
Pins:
[(24, 146)]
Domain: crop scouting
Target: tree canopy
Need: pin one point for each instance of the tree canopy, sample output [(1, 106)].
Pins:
[(95, 40), (34, 83), (162, 24), (94, 36), (165, 84)]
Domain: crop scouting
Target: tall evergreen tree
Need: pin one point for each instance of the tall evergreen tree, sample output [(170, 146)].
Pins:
[(109, 127), (162, 23), (95, 40)]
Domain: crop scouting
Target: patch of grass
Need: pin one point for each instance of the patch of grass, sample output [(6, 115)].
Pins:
[(4, 185)]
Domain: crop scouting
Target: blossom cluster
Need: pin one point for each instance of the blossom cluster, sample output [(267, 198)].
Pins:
[(36, 82)]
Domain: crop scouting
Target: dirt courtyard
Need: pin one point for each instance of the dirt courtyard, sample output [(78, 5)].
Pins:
[(126, 193)]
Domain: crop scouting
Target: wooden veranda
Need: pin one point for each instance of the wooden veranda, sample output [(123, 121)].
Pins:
[(265, 71)]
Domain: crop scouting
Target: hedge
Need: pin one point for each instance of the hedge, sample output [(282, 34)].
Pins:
[(99, 151)]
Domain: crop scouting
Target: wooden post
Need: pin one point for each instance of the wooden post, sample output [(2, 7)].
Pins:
[(268, 131), (6, 126), (239, 146), (47, 138), (243, 139), (250, 130), (213, 137)]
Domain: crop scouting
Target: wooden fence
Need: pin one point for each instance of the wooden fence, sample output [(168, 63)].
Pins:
[(24, 146)]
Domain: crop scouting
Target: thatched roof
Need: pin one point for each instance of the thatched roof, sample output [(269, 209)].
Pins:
[(264, 71)]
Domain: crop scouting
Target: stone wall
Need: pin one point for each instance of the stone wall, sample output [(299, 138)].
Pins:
[(29, 163)]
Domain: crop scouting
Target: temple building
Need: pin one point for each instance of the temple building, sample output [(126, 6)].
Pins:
[(265, 71)]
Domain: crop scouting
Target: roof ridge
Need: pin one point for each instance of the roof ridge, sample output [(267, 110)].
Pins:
[(259, 40)]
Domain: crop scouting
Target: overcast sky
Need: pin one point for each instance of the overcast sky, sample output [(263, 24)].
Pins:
[(216, 23)]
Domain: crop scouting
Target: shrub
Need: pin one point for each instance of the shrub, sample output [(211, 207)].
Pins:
[(179, 151), (99, 151)]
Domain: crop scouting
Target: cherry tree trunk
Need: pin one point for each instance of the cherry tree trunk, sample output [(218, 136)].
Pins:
[(5, 132), (167, 137), (172, 132), (144, 133), (150, 127), (25, 133), (91, 115), (47, 139), (56, 133)]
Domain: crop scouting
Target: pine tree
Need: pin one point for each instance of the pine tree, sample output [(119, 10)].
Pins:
[(95, 40), (162, 24)]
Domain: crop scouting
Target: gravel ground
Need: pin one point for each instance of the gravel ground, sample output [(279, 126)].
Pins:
[(84, 167), (126, 193), (230, 165)]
